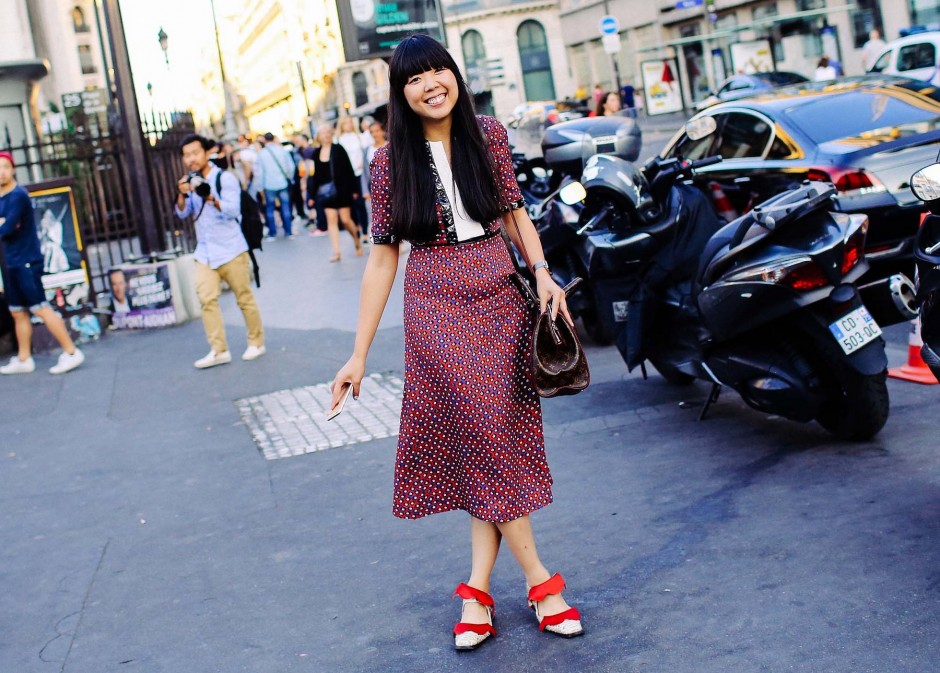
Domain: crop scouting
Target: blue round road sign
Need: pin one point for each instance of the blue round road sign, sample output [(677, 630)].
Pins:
[(610, 25)]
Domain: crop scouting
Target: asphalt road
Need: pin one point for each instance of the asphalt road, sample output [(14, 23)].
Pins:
[(141, 529)]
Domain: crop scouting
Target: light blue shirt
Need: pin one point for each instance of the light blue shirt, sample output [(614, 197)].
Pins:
[(273, 164), (219, 237)]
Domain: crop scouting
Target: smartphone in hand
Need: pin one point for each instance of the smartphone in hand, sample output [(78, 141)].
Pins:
[(338, 409)]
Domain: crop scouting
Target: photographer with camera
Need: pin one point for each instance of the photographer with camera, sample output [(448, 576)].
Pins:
[(221, 250)]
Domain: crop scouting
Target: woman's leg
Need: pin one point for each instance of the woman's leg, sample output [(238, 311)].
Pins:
[(521, 541), (345, 215), (332, 227), (484, 547)]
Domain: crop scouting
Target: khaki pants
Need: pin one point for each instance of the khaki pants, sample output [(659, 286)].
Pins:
[(237, 274)]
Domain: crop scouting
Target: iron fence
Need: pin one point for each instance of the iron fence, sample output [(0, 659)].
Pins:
[(109, 221)]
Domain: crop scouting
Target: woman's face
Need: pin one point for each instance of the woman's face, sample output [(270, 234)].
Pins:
[(347, 126), (432, 94), (378, 135), (325, 135), (612, 103)]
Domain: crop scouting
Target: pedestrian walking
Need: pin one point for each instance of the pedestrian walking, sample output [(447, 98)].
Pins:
[(872, 49), (471, 425), (352, 143), (213, 197), (300, 142), (22, 278), (379, 139), (273, 170), (332, 187)]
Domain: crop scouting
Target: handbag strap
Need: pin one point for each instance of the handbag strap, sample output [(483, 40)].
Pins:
[(525, 254)]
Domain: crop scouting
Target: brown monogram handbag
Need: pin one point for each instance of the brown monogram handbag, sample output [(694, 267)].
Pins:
[(559, 365)]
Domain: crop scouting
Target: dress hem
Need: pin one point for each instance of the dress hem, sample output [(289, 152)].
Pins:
[(456, 508)]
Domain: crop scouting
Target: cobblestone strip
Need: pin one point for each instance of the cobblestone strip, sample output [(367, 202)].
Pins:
[(293, 422)]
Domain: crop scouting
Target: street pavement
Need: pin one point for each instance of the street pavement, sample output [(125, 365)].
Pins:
[(144, 529)]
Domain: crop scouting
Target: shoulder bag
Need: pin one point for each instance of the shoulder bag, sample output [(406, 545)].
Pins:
[(327, 191)]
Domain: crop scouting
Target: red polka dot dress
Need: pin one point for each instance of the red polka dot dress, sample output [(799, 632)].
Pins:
[(471, 422)]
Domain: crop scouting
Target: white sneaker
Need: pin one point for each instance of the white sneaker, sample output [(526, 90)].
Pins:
[(268, 239), (17, 366), (213, 359), (68, 362), (253, 352)]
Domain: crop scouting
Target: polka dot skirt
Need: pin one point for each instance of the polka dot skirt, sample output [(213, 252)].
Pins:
[(471, 422)]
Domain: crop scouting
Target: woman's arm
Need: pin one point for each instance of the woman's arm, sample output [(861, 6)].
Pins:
[(377, 282), (547, 288)]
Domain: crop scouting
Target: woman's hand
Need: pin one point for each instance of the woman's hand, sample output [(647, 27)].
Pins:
[(351, 372), (310, 203), (549, 290)]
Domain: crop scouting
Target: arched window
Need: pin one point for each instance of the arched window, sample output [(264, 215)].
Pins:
[(360, 88), (474, 57), (78, 20), (536, 65)]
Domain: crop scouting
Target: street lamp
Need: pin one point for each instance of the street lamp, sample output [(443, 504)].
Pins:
[(231, 130), (163, 38)]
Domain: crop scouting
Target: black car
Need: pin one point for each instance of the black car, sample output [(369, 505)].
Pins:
[(739, 86), (867, 135)]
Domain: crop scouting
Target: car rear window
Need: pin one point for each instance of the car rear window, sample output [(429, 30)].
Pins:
[(917, 56), (870, 115)]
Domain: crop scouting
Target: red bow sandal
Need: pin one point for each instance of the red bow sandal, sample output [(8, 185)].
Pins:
[(567, 623), (469, 636)]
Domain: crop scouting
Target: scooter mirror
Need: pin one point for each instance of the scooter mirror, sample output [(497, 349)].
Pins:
[(925, 183), (572, 193), (696, 129)]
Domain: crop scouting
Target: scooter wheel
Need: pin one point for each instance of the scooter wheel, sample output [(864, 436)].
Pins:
[(857, 407)]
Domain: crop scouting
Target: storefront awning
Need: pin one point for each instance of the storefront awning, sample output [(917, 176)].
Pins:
[(754, 25)]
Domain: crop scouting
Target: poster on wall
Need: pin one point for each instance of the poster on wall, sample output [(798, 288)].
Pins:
[(750, 57), (373, 28), (141, 296), (60, 241), (661, 89)]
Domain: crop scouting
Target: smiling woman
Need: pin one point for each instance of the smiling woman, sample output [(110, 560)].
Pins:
[(471, 424)]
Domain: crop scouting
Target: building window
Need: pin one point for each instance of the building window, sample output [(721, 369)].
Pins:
[(536, 65), (864, 20), (78, 21), (360, 88), (924, 12), (474, 58), (86, 61)]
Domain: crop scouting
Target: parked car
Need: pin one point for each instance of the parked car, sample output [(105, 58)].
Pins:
[(739, 86), (914, 56), (866, 134)]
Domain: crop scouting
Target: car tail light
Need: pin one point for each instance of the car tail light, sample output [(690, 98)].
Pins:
[(847, 181)]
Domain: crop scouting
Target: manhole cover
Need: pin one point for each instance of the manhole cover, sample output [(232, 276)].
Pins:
[(293, 422)]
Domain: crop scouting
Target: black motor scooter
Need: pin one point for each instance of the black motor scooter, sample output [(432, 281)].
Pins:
[(766, 305), (925, 184)]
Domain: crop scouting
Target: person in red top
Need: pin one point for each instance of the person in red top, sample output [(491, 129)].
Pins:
[(471, 424), (22, 279)]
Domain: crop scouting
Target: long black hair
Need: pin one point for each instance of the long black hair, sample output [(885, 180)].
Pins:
[(414, 216)]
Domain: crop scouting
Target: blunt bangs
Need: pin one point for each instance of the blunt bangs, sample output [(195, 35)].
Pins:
[(417, 54)]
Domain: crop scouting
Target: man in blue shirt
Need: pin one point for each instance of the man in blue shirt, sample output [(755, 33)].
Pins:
[(22, 279), (273, 171), (221, 250)]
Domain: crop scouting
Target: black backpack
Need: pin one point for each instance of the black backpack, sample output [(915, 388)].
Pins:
[(252, 226)]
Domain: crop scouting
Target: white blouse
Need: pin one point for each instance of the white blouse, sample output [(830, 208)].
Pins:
[(466, 228)]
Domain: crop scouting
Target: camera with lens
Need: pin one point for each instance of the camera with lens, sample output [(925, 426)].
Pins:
[(198, 184)]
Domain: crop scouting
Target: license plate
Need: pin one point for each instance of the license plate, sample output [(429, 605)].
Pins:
[(855, 330)]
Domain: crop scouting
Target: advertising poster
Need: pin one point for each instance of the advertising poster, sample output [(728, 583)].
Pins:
[(750, 57), (661, 89), (141, 296), (60, 241), (373, 28)]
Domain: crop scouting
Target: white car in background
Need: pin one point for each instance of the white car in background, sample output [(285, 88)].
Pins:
[(913, 56)]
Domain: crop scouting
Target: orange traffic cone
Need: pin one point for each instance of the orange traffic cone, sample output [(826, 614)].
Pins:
[(722, 203), (916, 370)]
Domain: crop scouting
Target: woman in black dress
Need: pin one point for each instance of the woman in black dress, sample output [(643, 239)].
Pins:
[(332, 167)]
